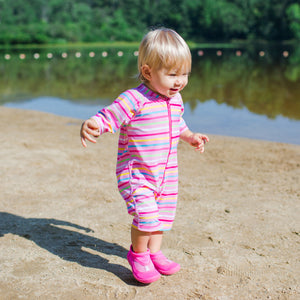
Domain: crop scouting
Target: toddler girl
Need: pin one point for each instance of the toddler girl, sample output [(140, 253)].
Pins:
[(150, 121)]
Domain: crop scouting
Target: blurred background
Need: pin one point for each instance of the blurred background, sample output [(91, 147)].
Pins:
[(72, 57)]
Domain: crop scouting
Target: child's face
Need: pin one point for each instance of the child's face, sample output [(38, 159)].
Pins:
[(167, 82)]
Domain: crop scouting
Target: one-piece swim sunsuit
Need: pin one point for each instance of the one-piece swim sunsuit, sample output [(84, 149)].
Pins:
[(147, 170)]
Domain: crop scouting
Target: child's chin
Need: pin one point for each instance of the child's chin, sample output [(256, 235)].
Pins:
[(173, 93)]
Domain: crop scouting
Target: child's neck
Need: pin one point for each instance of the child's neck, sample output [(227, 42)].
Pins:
[(148, 85)]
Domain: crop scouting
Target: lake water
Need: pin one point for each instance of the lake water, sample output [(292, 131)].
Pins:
[(252, 93)]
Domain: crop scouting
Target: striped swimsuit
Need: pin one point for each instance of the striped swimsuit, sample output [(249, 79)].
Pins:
[(147, 171)]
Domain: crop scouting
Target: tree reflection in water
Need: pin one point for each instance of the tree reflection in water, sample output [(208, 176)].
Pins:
[(265, 80)]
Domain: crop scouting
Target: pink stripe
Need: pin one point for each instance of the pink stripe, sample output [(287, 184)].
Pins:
[(133, 150), (152, 134), (123, 109)]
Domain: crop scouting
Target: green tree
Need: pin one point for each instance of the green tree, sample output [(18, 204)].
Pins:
[(223, 20), (293, 13), (42, 21)]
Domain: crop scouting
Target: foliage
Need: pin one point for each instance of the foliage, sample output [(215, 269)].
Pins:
[(293, 13), (60, 21)]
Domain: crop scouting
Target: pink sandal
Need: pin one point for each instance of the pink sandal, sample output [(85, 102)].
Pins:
[(142, 267), (163, 265)]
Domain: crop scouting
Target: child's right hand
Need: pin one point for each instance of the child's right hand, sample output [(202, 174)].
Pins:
[(89, 131)]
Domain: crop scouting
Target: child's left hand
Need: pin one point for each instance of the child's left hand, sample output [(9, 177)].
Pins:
[(198, 141)]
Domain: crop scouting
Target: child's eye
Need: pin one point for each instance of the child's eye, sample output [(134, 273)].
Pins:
[(175, 74)]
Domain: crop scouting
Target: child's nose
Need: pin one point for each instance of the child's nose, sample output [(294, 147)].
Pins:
[(178, 81)]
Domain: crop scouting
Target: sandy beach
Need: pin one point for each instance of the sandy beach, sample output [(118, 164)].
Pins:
[(64, 228)]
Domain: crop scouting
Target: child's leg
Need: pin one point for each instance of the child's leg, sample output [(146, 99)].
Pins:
[(149, 243), (141, 240), (139, 257), (161, 263), (155, 241)]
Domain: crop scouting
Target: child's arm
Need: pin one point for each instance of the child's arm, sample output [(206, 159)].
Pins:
[(196, 140), (89, 129)]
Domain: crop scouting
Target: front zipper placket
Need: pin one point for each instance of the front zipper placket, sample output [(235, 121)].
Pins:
[(170, 138), (170, 127)]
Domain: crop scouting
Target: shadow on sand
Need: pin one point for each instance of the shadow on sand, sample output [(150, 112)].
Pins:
[(67, 244)]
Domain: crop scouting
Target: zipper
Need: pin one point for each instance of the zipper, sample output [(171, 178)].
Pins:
[(170, 127), (170, 141)]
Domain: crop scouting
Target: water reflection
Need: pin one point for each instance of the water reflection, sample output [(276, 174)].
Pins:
[(75, 78), (264, 80), (267, 85)]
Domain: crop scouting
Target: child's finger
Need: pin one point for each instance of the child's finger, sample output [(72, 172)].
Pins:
[(83, 142), (91, 124), (200, 149), (86, 136), (90, 139), (205, 138), (93, 132)]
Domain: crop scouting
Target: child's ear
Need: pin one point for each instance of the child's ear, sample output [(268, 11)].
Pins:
[(146, 72)]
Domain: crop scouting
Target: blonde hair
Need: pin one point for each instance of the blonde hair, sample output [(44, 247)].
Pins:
[(164, 48)]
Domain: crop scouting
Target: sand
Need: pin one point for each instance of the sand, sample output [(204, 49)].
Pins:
[(64, 228)]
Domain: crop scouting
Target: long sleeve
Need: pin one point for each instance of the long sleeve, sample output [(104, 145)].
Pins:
[(182, 126), (121, 111)]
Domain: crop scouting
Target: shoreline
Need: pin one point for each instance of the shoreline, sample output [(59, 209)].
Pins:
[(64, 228), (255, 127)]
